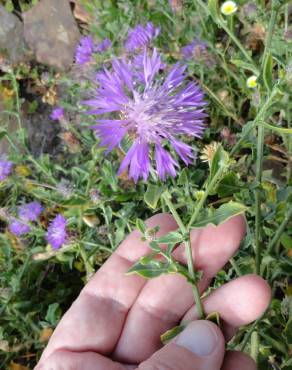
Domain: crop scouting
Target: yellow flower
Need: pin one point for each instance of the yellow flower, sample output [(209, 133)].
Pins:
[(228, 8), (209, 151), (251, 82)]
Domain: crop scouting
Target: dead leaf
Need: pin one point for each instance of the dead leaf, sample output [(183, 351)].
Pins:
[(15, 366), (45, 334)]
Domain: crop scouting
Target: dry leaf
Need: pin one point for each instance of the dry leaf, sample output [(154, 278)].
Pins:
[(15, 366), (45, 334)]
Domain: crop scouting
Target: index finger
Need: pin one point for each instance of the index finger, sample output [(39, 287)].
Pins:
[(95, 320)]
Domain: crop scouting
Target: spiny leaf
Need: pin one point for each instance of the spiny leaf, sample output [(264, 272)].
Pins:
[(152, 195), (218, 216)]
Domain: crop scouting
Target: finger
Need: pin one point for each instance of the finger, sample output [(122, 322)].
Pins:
[(239, 361), (238, 302), (199, 347), (164, 300), (95, 320), (78, 361)]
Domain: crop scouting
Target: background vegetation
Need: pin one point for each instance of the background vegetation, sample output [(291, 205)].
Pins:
[(73, 176)]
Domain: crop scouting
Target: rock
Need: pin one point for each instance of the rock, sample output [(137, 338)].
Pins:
[(52, 33), (12, 44)]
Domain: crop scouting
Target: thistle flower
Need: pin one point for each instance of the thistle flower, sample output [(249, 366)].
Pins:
[(30, 211), (228, 8), (56, 234), (57, 114), (5, 169), (84, 50), (103, 46), (87, 47), (195, 48), (151, 110), (141, 36), (18, 227)]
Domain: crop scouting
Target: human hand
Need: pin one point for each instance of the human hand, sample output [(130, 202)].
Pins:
[(118, 319)]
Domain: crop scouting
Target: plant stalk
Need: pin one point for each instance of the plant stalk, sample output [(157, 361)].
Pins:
[(199, 306)]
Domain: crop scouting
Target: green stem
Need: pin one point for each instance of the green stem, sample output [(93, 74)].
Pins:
[(235, 266), (238, 44), (270, 34), (248, 335), (259, 117), (279, 231), (167, 198), (205, 195), (259, 169)]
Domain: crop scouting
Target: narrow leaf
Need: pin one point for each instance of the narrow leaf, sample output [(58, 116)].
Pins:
[(280, 130), (172, 333), (268, 72)]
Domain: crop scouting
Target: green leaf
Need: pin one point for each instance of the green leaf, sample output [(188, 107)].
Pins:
[(150, 270), (53, 313), (141, 226), (244, 65), (280, 130), (229, 185), (3, 133), (214, 11), (268, 72), (286, 241), (152, 195), (288, 331), (172, 333), (173, 237), (218, 216)]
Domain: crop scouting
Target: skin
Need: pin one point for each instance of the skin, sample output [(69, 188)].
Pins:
[(118, 319)]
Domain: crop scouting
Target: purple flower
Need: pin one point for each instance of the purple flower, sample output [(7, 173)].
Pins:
[(56, 234), (18, 227), (141, 36), (57, 114), (5, 169), (103, 46), (84, 50), (153, 111), (194, 49), (30, 211)]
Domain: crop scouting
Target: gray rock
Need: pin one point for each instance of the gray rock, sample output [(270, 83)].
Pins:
[(52, 33), (12, 44)]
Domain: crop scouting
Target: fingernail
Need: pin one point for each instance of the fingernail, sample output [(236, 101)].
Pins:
[(199, 337)]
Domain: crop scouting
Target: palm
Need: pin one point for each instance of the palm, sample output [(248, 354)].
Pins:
[(118, 319)]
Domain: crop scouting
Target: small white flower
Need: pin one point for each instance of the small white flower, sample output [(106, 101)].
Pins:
[(251, 82), (228, 8)]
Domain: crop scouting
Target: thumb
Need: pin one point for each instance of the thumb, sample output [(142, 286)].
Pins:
[(199, 347)]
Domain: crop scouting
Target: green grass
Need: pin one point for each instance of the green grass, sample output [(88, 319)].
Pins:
[(38, 285)]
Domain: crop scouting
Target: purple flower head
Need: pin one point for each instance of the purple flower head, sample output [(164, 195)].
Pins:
[(103, 46), (141, 36), (84, 50), (194, 49), (18, 227), (57, 114), (152, 110), (56, 234), (30, 211), (5, 168)]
